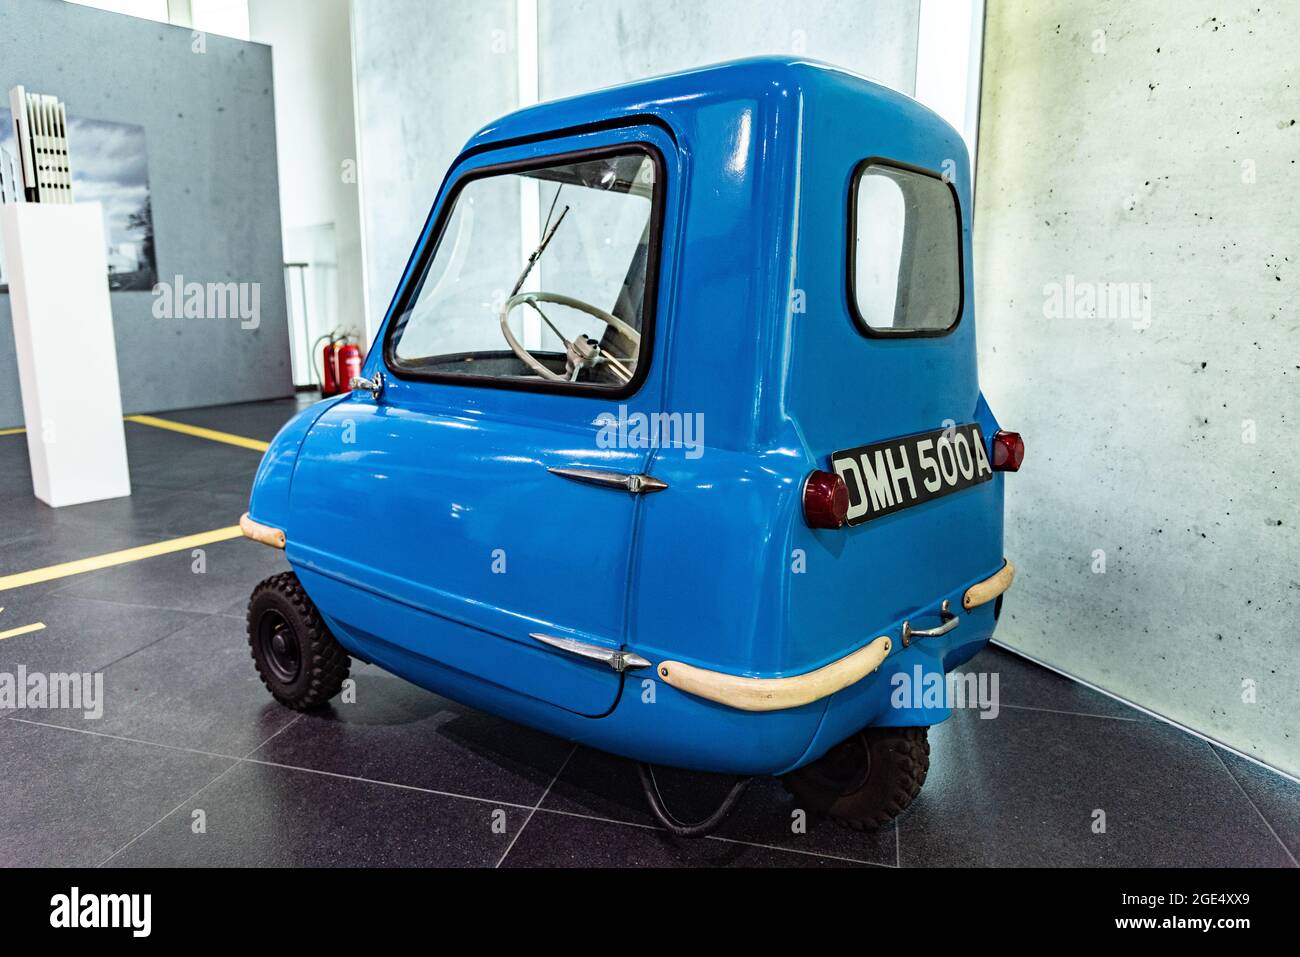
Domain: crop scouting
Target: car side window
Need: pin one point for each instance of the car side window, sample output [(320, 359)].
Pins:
[(905, 259), (539, 276)]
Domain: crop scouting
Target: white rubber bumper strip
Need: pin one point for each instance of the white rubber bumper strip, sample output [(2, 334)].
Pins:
[(261, 533), (776, 694)]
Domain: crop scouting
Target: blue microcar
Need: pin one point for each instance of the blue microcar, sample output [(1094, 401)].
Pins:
[(671, 442)]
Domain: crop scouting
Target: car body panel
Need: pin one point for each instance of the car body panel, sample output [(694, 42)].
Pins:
[(392, 533)]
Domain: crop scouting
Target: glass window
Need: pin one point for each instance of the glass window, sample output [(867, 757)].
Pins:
[(906, 259), (539, 275)]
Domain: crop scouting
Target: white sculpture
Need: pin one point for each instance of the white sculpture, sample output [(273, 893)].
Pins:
[(41, 128)]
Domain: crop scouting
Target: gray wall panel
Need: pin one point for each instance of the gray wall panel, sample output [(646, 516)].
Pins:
[(589, 44), (210, 128), (429, 74), (1154, 144)]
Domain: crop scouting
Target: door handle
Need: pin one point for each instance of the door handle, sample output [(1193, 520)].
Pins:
[(950, 621), (629, 482), (618, 660), (374, 386)]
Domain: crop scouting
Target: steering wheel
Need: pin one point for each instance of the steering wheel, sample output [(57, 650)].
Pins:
[(583, 352)]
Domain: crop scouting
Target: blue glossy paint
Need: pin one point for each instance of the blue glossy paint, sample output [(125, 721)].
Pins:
[(394, 510)]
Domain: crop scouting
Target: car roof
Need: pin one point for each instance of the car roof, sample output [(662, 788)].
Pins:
[(676, 97)]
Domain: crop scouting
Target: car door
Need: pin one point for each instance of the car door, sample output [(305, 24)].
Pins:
[(486, 502)]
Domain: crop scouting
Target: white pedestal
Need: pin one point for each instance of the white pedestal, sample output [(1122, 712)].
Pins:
[(67, 356)]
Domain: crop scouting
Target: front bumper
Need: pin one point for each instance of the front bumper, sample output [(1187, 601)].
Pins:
[(258, 532)]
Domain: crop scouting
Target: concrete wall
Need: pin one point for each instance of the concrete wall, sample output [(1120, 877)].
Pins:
[(428, 74), (210, 128), (316, 131), (589, 44), (1154, 144)]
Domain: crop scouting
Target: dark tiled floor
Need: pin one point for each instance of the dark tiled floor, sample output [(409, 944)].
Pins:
[(261, 815), (1030, 785), (399, 733), (171, 581), (192, 763), (74, 799)]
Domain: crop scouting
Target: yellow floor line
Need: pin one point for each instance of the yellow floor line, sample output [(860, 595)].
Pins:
[(24, 630), (108, 560), (201, 433), (212, 434)]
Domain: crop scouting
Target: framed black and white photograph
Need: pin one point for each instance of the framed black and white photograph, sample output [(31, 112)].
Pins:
[(110, 166)]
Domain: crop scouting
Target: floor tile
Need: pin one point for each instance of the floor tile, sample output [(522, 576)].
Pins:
[(164, 459), (61, 543), (197, 689), (605, 786), (1025, 684), (156, 514), (79, 634), (73, 799), (23, 515), (264, 816), (252, 420), (233, 568), (1275, 797), (399, 733), (1022, 790), (561, 840)]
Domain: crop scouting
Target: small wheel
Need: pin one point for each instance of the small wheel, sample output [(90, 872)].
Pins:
[(867, 780), (299, 661)]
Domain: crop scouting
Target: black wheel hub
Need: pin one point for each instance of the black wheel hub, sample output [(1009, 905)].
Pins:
[(844, 768), (279, 647)]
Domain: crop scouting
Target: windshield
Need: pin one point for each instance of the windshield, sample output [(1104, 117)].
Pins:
[(538, 274)]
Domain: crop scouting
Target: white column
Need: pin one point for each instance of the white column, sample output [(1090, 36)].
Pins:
[(67, 354), (530, 190), (949, 57)]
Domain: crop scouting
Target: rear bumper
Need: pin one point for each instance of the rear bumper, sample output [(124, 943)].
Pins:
[(778, 694), (982, 593)]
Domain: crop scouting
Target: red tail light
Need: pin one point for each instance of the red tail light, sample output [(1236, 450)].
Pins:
[(1008, 451), (825, 500)]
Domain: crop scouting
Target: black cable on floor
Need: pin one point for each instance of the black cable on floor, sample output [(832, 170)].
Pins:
[(670, 821)]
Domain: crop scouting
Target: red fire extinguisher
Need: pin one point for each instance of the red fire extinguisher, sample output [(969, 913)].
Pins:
[(329, 384), (349, 364), (340, 361)]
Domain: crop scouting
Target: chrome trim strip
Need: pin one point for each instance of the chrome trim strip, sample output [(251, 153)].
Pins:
[(617, 659), (635, 484)]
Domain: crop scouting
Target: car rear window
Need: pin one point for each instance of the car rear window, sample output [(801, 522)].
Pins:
[(905, 261)]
